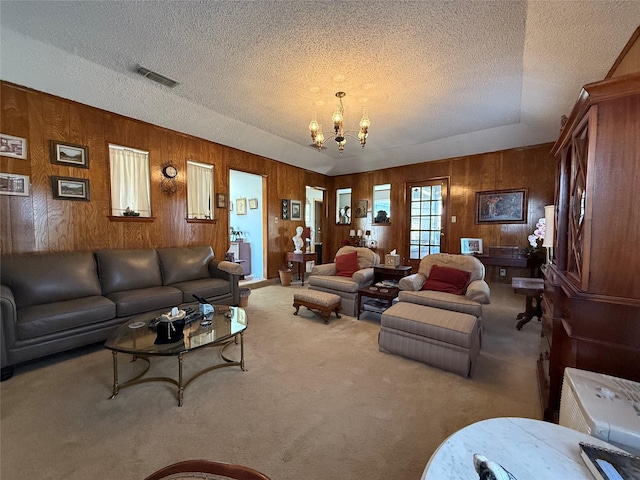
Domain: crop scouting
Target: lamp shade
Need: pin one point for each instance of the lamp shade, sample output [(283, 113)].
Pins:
[(352, 233), (549, 229)]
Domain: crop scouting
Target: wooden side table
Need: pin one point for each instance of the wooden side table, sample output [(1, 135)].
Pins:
[(383, 297), (301, 259), (532, 288), (382, 272)]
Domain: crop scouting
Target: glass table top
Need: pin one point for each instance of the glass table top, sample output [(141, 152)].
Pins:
[(136, 337)]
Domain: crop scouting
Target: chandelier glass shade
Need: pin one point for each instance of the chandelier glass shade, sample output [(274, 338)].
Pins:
[(339, 134)]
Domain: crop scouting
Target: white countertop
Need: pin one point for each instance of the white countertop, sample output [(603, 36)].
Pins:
[(528, 449)]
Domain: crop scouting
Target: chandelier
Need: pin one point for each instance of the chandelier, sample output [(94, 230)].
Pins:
[(339, 133)]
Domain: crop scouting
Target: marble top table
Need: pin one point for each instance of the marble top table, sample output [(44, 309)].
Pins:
[(528, 449)]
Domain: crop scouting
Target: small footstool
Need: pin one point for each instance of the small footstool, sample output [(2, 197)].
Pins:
[(441, 338), (324, 302)]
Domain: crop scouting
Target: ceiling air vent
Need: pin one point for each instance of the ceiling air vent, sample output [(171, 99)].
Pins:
[(156, 77)]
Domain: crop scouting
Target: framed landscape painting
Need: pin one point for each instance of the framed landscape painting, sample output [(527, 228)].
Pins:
[(501, 206), (296, 210), (69, 154), (13, 184), (67, 188)]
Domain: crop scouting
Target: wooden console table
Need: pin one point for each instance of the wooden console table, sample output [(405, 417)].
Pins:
[(301, 259), (532, 288), (532, 263)]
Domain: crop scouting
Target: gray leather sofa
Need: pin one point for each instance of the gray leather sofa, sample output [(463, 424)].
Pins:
[(54, 302)]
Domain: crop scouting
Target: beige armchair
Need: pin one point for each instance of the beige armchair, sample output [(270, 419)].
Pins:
[(471, 298), (329, 277)]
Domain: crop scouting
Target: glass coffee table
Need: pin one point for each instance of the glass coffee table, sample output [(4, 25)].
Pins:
[(224, 327)]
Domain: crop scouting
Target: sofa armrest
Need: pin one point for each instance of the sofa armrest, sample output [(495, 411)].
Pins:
[(363, 277), (8, 314), (231, 268), (478, 291), (324, 269), (412, 282)]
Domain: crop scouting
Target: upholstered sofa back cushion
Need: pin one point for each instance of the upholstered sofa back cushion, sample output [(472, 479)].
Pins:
[(366, 257), (36, 279), (184, 263), (128, 269), (461, 262)]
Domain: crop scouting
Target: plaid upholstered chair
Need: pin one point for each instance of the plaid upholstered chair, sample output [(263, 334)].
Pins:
[(351, 270)]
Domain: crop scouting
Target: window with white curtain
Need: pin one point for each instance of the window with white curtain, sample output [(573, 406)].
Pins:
[(130, 191), (199, 190)]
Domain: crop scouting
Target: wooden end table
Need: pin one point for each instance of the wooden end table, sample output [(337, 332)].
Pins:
[(383, 295), (301, 259), (532, 288)]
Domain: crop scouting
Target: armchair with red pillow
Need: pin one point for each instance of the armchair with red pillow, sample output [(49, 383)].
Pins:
[(351, 270), (447, 281)]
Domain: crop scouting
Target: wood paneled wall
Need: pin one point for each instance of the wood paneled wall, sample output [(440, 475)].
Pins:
[(39, 223)]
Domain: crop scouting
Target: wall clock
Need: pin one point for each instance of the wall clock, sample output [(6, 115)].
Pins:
[(169, 174), (169, 171)]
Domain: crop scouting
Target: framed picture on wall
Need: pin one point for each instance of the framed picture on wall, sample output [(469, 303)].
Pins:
[(361, 208), (241, 206), (502, 206), (471, 246), (11, 146), (253, 203), (69, 154), (67, 188), (13, 184), (221, 200), (285, 208), (296, 210)]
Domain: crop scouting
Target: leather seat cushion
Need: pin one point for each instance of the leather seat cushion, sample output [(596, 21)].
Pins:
[(132, 302), (55, 317), (184, 264), (125, 270), (207, 287)]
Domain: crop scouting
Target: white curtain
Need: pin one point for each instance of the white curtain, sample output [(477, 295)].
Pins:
[(129, 181), (199, 190)]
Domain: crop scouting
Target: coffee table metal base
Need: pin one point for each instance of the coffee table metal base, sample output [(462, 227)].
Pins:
[(181, 383)]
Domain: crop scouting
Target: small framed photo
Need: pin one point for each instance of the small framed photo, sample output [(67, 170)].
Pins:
[(253, 203), (501, 206), (361, 209), (241, 206), (285, 208), (11, 146), (296, 210), (69, 154), (471, 246), (67, 188), (12, 184), (221, 200)]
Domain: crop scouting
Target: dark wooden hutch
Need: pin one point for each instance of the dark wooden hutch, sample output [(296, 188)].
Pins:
[(591, 298)]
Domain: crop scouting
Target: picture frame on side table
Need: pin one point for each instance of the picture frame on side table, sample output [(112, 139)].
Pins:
[(471, 246), (13, 184), (68, 188), (502, 206), (296, 210), (69, 154), (241, 206), (11, 146)]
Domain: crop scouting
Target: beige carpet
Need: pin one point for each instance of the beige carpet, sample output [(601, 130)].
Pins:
[(318, 402)]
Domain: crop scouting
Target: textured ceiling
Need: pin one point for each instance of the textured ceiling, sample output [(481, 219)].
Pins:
[(439, 79)]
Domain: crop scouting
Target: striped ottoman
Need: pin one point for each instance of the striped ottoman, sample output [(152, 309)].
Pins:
[(441, 338), (324, 302)]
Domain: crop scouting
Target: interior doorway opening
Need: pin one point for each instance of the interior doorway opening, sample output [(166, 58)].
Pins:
[(314, 214), (246, 224)]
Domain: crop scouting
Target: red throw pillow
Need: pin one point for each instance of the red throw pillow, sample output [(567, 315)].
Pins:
[(347, 264), (446, 279)]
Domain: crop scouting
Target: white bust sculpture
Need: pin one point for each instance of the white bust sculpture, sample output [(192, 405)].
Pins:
[(298, 241)]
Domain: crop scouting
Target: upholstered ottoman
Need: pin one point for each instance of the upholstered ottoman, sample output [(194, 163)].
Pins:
[(324, 302), (441, 338)]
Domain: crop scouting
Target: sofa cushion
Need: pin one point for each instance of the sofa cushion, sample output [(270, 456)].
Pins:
[(206, 287), (461, 262), (366, 257), (132, 302), (446, 279), (335, 284), (347, 264), (37, 279), (124, 270), (39, 320), (184, 264)]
